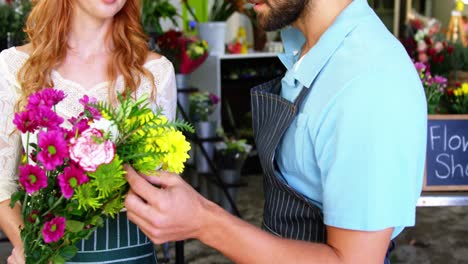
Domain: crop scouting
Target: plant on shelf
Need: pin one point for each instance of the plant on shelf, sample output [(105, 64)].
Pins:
[(232, 152), (202, 105), (458, 98), (425, 44), (434, 88), (155, 10), (186, 53)]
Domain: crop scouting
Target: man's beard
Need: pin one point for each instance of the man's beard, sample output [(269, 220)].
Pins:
[(281, 13)]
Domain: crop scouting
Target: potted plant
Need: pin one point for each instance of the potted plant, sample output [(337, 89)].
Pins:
[(202, 105), (152, 11), (214, 30), (231, 154)]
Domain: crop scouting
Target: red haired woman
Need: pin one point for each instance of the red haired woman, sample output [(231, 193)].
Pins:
[(83, 47)]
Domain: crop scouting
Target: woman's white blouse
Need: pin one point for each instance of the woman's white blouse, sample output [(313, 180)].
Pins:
[(11, 147)]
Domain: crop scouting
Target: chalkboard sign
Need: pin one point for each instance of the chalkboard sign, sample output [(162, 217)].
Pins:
[(447, 153)]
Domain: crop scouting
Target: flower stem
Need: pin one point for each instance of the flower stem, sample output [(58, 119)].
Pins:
[(53, 206), (23, 206), (27, 147)]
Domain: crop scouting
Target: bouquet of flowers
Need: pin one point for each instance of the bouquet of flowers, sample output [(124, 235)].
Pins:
[(186, 53), (426, 45), (70, 179), (434, 87), (202, 104)]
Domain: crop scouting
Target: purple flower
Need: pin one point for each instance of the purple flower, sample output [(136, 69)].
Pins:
[(440, 80), (54, 229), (71, 178), (79, 125), (47, 97), (214, 98), (420, 66), (86, 101), (53, 149), (32, 178), (48, 118), (25, 121)]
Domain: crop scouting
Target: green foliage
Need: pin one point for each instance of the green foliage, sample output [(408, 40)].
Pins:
[(458, 61), (13, 19), (222, 10), (155, 10)]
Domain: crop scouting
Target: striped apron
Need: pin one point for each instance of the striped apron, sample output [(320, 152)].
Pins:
[(117, 241), (287, 213)]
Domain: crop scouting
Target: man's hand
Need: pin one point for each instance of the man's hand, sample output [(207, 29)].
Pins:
[(170, 211)]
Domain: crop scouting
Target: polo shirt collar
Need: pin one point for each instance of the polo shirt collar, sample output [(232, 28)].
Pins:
[(316, 58)]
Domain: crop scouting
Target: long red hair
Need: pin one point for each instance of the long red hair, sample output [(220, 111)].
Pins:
[(47, 28)]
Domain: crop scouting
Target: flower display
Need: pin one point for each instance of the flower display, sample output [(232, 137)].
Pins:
[(458, 98), (434, 87), (202, 104), (427, 46), (71, 179), (186, 53)]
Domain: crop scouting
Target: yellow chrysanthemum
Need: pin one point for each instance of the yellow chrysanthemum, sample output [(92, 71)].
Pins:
[(175, 147)]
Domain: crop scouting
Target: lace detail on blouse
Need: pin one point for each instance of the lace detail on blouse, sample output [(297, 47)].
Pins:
[(11, 148)]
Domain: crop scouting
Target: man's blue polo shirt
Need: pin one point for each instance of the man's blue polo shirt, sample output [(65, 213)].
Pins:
[(357, 147)]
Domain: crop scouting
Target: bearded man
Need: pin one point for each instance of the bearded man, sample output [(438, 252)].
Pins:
[(341, 139)]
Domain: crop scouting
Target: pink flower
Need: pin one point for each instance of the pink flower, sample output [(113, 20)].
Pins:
[(26, 121), (420, 67), (213, 98), (54, 229), (53, 149), (79, 125), (91, 150), (47, 97), (422, 57), (438, 46), (32, 178), (86, 101), (422, 46), (47, 117), (71, 178)]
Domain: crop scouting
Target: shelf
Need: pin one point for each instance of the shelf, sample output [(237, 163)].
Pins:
[(443, 199), (252, 55)]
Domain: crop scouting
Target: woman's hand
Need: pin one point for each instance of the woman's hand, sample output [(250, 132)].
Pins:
[(17, 256)]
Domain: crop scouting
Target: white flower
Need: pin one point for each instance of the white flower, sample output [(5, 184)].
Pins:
[(422, 46), (107, 126), (420, 35)]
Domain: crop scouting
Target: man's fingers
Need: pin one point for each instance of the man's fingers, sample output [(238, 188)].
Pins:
[(142, 187), (163, 179), (134, 202)]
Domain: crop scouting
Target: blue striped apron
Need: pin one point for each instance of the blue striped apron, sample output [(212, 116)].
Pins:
[(117, 241), (287, 213)]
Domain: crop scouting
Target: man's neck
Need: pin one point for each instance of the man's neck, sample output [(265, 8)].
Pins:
[(317, 18)]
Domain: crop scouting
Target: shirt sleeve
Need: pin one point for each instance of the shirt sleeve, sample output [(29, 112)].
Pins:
[(371, 150), (10, 139)]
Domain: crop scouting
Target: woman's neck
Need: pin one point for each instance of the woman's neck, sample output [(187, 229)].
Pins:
[(89, 36)]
